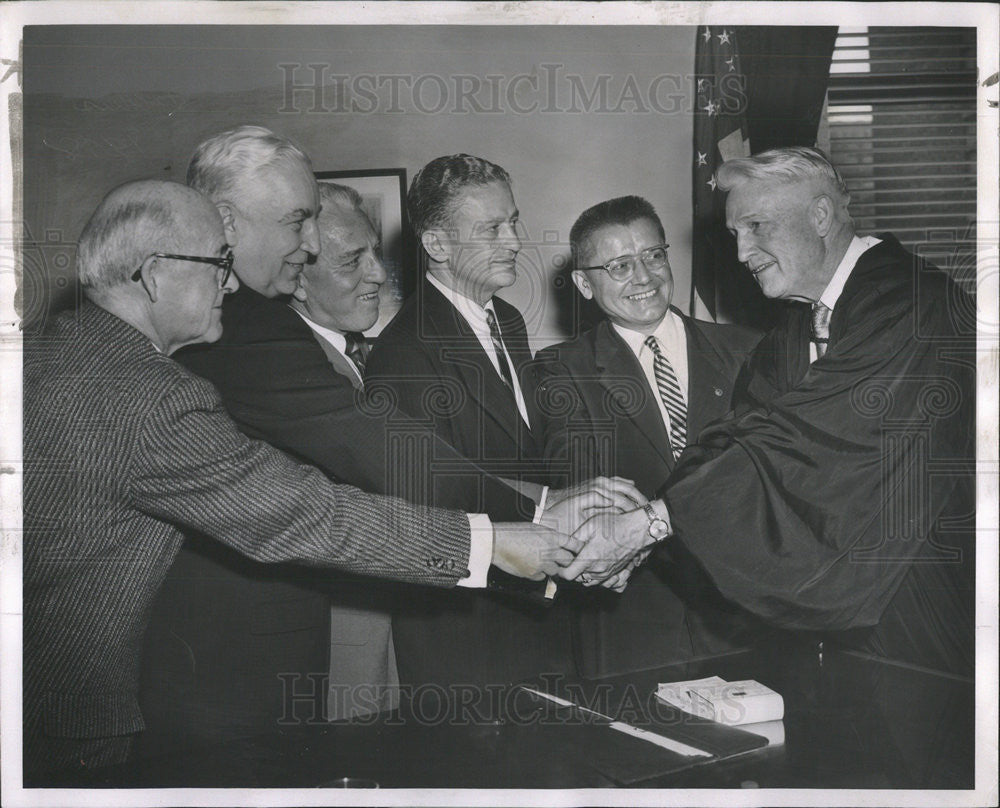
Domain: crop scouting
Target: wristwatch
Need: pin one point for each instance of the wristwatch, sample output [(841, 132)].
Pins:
[(658, 528)]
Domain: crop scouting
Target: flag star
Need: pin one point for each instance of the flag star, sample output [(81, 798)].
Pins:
[(724, 37), (702, 83), (711, 108), (711, 183), (707, 34), (731, 63), (702, 159)]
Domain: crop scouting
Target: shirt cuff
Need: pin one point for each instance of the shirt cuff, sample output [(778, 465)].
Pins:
[(480, 551), (540, 507)]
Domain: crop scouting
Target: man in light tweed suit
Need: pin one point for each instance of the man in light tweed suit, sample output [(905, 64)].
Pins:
[(124, 449)]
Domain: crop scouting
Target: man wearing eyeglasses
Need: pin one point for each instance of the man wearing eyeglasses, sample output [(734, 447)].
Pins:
[(622, 398), (125, 449), (261, 635)]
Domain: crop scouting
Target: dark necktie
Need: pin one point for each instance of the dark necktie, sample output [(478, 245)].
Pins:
[(491, 321), (820, 328), (670, 392), (357, 350)]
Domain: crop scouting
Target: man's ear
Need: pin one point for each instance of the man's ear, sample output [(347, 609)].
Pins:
[(580, 279), (822, 215), (437, 244), (148, 275), (228, 214)]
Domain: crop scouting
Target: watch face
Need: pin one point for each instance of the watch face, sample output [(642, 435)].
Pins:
[(658, 529)]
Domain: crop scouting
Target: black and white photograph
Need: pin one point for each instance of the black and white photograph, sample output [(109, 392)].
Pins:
[(383, 202), (462, 404)]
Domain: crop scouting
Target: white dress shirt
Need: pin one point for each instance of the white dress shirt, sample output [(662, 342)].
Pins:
[(673, 343), (480, 526), (831, 294), (475, 316)]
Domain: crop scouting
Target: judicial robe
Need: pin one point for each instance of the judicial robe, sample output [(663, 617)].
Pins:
[(851, 480)]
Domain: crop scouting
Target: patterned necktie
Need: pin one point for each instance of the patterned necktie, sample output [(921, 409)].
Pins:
[(491, 321), (820, 335), (670, 392), (357, 350)]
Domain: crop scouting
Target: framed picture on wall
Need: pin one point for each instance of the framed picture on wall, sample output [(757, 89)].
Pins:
[(383, 194)]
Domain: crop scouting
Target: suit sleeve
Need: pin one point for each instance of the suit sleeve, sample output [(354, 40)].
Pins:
[(808, 506), (565, 426), (294, 400), (195, 469)]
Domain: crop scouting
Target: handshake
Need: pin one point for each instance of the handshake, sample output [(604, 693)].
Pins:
[(597, 532)]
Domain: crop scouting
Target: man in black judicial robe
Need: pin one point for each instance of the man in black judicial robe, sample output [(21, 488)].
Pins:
[(839, 494)]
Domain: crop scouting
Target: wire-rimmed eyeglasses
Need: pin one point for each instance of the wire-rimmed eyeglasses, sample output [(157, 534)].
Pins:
[(223, 262), (621, 268)]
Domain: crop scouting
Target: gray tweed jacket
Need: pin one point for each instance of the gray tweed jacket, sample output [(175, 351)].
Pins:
[(123, 450)]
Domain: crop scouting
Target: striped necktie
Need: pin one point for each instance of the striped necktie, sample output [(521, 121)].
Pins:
[(356, 350), (670, 392), (820, 327), (491, 321)]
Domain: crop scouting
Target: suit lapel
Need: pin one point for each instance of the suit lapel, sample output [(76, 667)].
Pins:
[(461, 350), (340, 363), (615, 361), (709, 383)]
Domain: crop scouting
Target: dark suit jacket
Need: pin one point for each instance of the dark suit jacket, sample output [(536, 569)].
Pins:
[(600, 417), (430, 361), (248, 623), (123, 449), (437, 370)]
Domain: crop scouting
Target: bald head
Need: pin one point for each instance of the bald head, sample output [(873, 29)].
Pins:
[(132, 221), (154, 254)]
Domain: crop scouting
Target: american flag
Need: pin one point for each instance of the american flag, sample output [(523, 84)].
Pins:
[(720, 133)]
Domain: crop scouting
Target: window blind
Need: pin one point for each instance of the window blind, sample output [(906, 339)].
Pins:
[(901, 120)]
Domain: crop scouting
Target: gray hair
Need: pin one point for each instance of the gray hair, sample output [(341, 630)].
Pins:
[(219, 163), (788, 164), (133, 221), (437, 188), (332, 194)]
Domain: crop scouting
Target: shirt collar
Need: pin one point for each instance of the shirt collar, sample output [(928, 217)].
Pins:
[(670, 333), (473, 313), (855, 250), (335, 338)]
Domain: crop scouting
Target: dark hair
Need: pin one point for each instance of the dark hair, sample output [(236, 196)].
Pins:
[(621, 210), (436, 190)]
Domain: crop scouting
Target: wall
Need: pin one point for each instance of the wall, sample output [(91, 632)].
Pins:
[(576, 114)]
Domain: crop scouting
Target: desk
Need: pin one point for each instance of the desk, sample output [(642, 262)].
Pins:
[(852, 722)]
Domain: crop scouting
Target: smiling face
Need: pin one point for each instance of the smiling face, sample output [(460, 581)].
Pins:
[(639, 303), (482, 242), (274, 229), (775, 225), (340, 291)]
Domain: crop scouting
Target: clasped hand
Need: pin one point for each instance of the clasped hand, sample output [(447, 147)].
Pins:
[(605, 517), (595, 532)]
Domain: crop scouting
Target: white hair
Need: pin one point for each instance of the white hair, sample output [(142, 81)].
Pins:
[(133, 221), (219, 163), (788, 164)]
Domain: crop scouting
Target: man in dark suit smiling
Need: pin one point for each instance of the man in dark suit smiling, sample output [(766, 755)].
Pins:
[(623, 398)]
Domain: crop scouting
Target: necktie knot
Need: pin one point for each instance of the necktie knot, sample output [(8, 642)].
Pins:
[(653, 344), (820, 327)]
